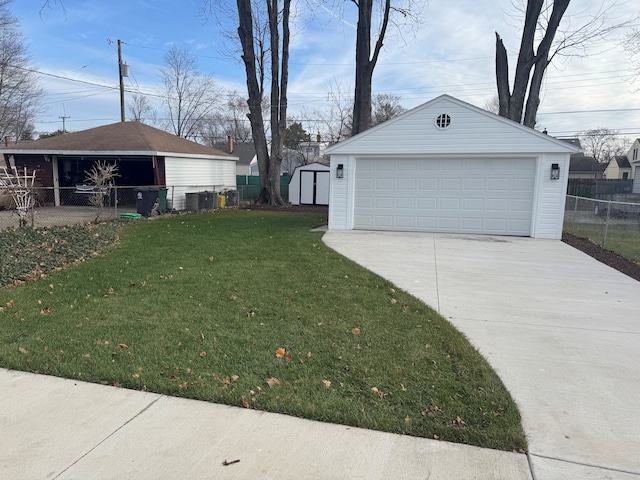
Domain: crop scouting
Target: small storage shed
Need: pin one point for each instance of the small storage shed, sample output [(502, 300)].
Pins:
[(448, 166), (145, 156), (309, 185)]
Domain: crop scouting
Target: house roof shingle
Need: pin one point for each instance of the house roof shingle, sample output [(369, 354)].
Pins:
[(119, 137), (579, 163), (623, 161)]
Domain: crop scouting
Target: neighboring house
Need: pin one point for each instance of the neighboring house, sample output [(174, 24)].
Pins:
[(245, 151), (618, 168), (309, 185), (633, 155), (145, 156), (585, 167), (448, 166)]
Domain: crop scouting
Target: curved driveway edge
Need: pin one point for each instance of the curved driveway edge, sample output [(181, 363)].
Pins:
[(561, 329)]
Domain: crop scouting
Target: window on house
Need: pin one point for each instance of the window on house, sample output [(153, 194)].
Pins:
[(625, 176), (443, 121), (635, 154)]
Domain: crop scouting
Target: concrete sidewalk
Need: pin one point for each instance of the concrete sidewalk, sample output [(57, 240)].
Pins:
[(561, 329), (53, 428)]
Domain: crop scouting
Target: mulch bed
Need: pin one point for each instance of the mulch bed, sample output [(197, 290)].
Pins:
[(607, 257)]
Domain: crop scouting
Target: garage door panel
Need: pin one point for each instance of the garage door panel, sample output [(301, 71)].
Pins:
[(428, 184), (384, 202), (405, 221), (474, 184), (406, 184), (491, 196), (450, 204), (384, 184), (454, 184), (427, 203), (405, 203)]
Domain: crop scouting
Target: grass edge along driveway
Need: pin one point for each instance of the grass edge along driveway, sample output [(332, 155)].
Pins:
[(251, 309)]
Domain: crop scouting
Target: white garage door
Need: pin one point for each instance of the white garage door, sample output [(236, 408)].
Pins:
[(486, 196)]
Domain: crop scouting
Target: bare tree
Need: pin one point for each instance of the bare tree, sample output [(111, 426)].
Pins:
[(603, 144), (20, 95), (366, 58), (140, 108), (544, 38), (334, 119), (492, 104), (229, 121), (385, 106), (188, 95), (269, 163), (101, 177)]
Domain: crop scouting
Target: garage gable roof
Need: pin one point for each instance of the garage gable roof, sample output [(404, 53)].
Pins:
[(462, 129), (118, 138)]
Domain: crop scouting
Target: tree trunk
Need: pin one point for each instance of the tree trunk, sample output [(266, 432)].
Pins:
[(365, 65), (526, 87), (268, 165)]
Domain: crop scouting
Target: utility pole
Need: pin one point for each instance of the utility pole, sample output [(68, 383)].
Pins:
[(64, 129), (123, 71)]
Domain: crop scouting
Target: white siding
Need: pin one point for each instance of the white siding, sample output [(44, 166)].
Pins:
[(198, 174), (472, 131), (341, 194), (551, 197)]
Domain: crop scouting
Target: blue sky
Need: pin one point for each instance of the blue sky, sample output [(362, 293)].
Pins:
[(450, 52)]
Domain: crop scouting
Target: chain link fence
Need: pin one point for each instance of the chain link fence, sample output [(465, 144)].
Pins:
[(612, 224), (86, 204)]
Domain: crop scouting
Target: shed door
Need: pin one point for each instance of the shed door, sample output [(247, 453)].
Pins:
[(464, 195), (314, 188)]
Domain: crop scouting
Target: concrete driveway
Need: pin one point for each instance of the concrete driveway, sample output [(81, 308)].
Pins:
[(561, 329)]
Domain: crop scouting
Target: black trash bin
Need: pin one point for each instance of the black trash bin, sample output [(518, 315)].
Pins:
[(232, 198), (206, 200), (145, 199)]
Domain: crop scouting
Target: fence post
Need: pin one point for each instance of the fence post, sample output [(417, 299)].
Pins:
[(115, 203), (606, 225)]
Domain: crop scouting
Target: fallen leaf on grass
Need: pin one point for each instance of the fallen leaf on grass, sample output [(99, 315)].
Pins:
[(201, 336), (251, 313), (288, 357), (45, 311), (10, 304), (245, 402), (203, 354), (326, 383), (23, 350), (280, 352), (356, 331), (183, 386), (234, 378), (136, 376), (394, 301), (233, 298), (86, 355), (407, 420), (123, 346), (458, 422), (272, 381), (211, 259), (379, 393)]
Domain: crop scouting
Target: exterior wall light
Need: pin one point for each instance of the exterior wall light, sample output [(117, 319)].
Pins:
[(555, 171), (340, 171)]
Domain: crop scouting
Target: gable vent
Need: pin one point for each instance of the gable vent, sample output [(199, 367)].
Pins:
[(443, 121)]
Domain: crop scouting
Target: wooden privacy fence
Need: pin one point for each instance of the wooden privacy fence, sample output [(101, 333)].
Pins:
[(590, 188)]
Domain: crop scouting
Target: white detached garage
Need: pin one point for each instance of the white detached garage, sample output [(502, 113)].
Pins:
[(448, 166)]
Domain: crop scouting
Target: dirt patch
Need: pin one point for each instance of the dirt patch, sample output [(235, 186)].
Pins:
[(289, 208), (607, 257)]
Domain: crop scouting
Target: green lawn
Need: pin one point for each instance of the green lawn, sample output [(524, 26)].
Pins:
[(251, 308), (623, 239)]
